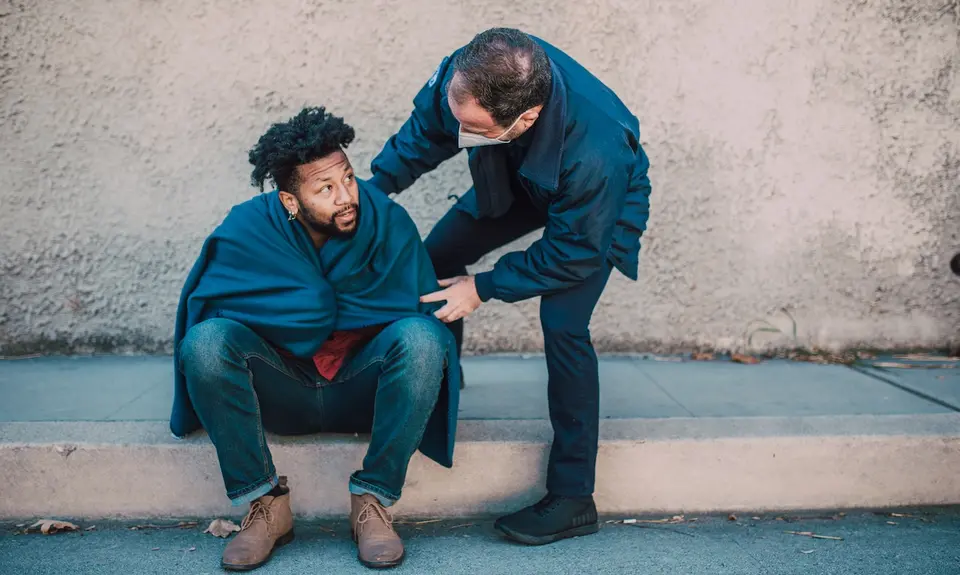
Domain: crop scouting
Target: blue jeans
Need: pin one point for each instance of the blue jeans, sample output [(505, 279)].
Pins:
[(240, 386)]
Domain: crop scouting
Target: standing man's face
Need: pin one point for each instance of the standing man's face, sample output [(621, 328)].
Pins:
[(326, 201), (475, 119)]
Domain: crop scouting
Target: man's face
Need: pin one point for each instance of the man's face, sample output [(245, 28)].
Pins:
[(475, 119), (327, 196)]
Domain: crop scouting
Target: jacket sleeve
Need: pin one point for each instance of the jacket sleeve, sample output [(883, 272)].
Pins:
[(426, 139), (577, 236)]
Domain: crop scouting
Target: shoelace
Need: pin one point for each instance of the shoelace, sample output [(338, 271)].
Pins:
[(366, 515), (546, 505), (257, 510)]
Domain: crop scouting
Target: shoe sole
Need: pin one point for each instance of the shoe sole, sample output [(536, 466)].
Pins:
[(545, 539), (378, 564), (283, 540), (382, 564)]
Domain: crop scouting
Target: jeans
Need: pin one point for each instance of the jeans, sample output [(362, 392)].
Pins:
[(573, 389), (241, 386)]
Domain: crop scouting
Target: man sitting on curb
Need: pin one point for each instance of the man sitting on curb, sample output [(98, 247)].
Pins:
[(302, 315)]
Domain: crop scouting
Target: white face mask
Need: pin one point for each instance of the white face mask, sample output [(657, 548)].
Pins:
[(471, 140)]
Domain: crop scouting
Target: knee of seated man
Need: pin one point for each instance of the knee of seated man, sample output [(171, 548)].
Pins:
[(205, 346), (422, 345)]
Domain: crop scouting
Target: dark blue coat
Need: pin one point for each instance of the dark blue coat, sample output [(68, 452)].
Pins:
[(583, 165), (259, 269)]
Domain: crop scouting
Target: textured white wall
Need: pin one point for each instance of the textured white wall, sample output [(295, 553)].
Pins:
[(806, 154)]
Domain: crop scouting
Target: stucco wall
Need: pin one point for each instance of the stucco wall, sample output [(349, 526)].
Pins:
[(806, 154)]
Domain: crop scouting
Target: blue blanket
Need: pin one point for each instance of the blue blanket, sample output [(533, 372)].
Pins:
[(261, 270)]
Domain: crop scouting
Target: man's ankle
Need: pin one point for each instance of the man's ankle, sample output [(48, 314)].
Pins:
[(277, 491)]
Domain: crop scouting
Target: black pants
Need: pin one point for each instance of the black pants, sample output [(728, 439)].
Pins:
[(459, 240)]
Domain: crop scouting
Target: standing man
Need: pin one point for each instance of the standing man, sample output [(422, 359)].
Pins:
[(549, 147)]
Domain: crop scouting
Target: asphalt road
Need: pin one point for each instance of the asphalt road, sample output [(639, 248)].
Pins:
[(924, 542)]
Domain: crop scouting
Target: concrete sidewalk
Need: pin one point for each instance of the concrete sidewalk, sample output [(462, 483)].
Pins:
[(88, 437)]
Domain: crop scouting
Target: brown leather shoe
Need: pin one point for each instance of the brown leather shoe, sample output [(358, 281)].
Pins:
[(378, 545), (267, 526)]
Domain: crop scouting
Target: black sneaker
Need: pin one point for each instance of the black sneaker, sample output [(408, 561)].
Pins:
[(551, 519)]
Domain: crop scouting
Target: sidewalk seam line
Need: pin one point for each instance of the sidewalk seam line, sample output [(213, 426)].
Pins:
[(905, 387), (121, 408), (637, 366)]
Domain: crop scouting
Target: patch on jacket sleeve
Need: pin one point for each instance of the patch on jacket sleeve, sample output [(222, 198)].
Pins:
[(436, 73)]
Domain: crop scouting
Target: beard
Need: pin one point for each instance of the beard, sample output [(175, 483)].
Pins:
[(328, 226)]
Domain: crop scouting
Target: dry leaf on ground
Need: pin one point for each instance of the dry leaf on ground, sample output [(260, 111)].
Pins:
[(826, 358), (222, 528), (51, 526), (745, 359)]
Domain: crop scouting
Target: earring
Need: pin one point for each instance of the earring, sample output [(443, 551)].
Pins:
[(292, 216)]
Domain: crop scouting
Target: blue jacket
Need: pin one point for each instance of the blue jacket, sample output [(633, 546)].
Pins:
[(583, 165), (261, 270)]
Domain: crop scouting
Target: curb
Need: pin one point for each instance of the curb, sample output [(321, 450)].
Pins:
[(677, 465)]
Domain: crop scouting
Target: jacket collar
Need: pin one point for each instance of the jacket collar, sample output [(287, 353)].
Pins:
[(542, 162)]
